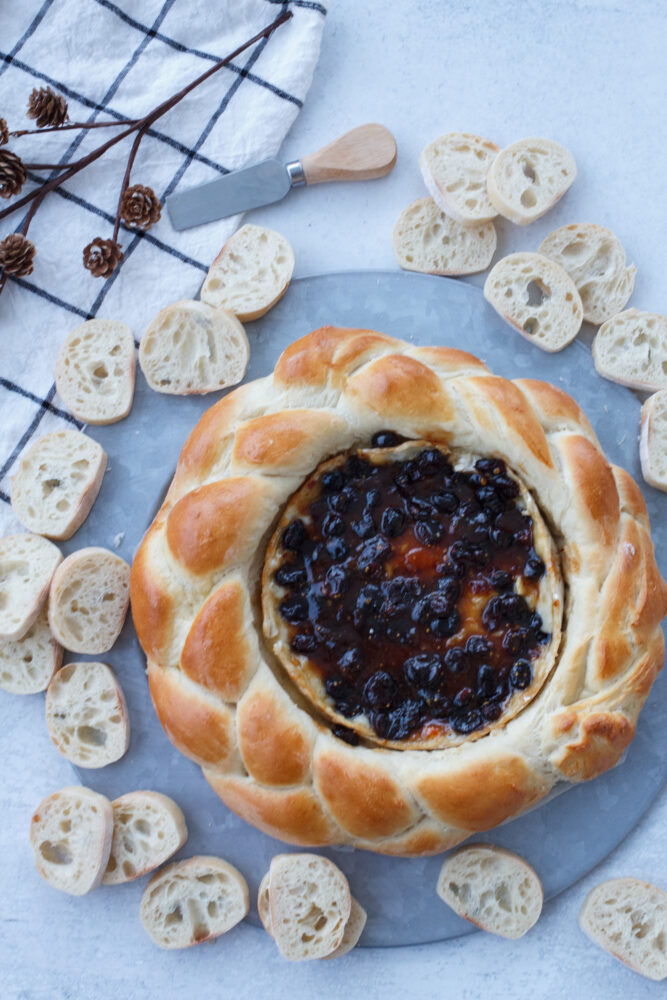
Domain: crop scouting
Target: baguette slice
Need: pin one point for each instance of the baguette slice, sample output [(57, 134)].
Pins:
[(190, 347), (193, 901), (28, 664), (528, 177), (95, 371), (27, 565), (56, 483), (426, 240), (353, 930), (70, 835), (653, 440), (631, 348), (628, 918), (86, 715), (250, 274), (492, 888), (148, 828), (454, 168), (310, 903), (90, 592), (595, 260), (537, 297), (264, 905)]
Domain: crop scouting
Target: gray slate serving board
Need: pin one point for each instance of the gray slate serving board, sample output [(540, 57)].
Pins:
[(565, 837)]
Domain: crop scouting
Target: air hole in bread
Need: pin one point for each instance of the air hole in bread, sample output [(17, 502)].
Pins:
[(528, 199), (142, 826), (55, 854), (91, 735), (175, 917), (531, 326), (101, 372), (537, 292), (529, 173)]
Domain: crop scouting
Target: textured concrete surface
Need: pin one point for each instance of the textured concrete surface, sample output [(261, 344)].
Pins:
[(589, 74)]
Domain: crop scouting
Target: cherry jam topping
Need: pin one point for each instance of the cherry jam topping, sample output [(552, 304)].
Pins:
[(400, 591)]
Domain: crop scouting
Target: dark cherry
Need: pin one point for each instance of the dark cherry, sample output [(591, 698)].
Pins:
[(479, 647), (431, 461), (290, 575), (335, 581), (491, 466), (337, 549), (385, 439), (534, 568), (486, 681), (340, 502), (501, 538), (515, 640), (333, 524), (403, 720), (351, 661), (438, 604), (489, 499), (506, 486), (423, 670), (455, 659), (491, 711), (364, 526), (521, 675), (332, 481), (445, 502), (428, 532), (446, 625), (294, 535), (372, 556), (294, 609), (303, 642), (500, 580), (357, 468), (450, 587), (463, 697), (468, 722), (380, 690), (392, 522), (373, 498), (345, 734), (336, 687)]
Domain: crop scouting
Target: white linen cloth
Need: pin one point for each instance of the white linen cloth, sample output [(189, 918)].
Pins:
[(119, 60)]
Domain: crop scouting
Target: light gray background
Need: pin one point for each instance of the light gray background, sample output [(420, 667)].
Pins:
[(590, 74)]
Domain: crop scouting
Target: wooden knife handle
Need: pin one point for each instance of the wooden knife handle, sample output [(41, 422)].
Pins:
[(362, 154)]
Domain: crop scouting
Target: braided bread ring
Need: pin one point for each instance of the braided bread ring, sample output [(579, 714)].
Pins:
[(196, 604)]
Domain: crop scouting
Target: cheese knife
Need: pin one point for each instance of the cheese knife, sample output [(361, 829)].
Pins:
[(364, 153)]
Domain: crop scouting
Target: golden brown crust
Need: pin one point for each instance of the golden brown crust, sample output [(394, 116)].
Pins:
[(482, 795), (294, 815), (200, 730), (196, 573), (215, 526), (274, 744), (218, 653), (604, 736), (362, 797)]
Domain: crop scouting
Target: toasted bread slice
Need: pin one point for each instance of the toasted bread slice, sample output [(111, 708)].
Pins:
[(631, 348), (27, 565), (56, 483), (70, 836), (148, 828), (528, 177), (86, 714), (492, 888), (427, 240), (89, 596), (28, 664), (310, 905), (193, 901), (595, 260), (537, 297), (250, 274), (95, 371), (653, 440), (190, 347), (454, 168), (628, 918)]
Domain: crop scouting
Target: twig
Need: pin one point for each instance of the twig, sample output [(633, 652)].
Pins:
[(143, 123), (71, 125), (126, 179)]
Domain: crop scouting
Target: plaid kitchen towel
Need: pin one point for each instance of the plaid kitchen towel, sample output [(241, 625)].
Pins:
[(119, 60)]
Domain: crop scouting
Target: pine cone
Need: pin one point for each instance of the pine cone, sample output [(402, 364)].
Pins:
[(47, 108), (12, 174), (140, 207), (102, 257), (4, 132), (16, 255)]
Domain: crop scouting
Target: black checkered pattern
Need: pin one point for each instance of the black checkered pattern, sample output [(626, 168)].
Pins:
[(151, 45)]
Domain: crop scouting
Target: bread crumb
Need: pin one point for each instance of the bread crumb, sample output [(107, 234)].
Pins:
[(118, 539)]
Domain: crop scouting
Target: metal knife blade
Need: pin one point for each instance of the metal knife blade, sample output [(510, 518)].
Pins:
[(238, 191)]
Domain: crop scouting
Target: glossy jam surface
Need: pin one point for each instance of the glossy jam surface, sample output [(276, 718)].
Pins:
[(410, 588)]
